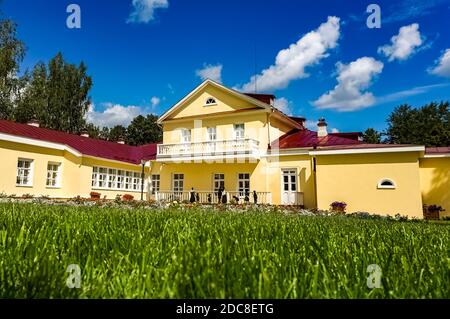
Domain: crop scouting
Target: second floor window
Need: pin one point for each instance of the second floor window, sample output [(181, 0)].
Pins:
[(185, 136), (211, 134), (239, 132)]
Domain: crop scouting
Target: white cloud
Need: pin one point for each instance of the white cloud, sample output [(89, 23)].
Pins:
[(284, 105), (311, 125), (291, 62), (212, 72), (404, 44), (400, 95), (352, 79), (334, 130), (442, 67), (113, 114), (144, 10), (155, 101)]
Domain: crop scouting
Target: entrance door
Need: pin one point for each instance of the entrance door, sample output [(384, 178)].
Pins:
[(289, 187)]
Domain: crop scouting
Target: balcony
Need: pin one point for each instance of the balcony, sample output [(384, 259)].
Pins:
[(238, 148)]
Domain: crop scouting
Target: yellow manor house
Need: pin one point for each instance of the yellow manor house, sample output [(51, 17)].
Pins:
[(223, 145)]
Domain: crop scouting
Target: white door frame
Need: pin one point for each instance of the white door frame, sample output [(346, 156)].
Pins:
[(282, 191)]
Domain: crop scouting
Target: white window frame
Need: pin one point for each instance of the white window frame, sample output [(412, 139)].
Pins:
[(211, 134), (156, 183), (239, 131), (21, 177), (208, 99), (119, 179), (218, 178), (239, 180), (383, 180), (57, 179), (176, 179), (185, 136)]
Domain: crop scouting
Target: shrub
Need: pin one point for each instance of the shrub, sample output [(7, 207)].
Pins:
[(127, 197), (338, 206), (95, 195), (27, 196)]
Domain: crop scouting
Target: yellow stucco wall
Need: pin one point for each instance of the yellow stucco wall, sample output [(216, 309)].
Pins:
[(76, 172), (354, 179), (305, 179), (197, 117), (435, 182)]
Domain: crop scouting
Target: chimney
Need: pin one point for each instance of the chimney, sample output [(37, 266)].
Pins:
[(322, 128), (33, 122), (84, 133), (121, 140)]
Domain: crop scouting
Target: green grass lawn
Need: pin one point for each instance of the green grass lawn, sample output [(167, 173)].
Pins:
[(196, 254)]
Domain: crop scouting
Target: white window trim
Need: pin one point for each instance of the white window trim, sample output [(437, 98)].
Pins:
[(30, 176), (173, 182), (235, 131), (210, 104), (214, 180), (156, 181), (380, 186), (249, 184), (134, 180), (58, 177)]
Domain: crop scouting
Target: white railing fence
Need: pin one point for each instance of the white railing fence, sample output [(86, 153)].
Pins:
[(212, 197)]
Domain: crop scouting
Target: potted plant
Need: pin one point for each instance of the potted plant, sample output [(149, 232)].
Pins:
[(95, 195), (338, 207), (432, 211)]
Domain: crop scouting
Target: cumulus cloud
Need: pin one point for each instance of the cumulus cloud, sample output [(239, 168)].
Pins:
[(113, 114), (291, 62), (284, 105), (442, 67), (404, 44), (212, 72), (155, 101), (144, 10), (353, 79)]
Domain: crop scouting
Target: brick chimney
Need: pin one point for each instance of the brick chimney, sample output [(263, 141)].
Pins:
[(33, 122), (322, 128)]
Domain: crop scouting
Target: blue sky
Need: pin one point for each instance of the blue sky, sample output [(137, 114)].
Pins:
[(318, 57)]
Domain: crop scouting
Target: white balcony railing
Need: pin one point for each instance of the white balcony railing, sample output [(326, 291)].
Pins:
[(213, 148)]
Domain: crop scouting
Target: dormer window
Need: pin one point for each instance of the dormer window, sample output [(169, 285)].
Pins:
[(210, 101), (386, 183)]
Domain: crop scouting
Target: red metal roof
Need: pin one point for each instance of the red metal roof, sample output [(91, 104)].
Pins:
[(438, 150), (84, 145), (306, 138)]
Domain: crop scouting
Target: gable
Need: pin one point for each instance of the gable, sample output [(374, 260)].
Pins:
[(227, 101)]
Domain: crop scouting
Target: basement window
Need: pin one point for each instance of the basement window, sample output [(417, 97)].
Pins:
[(386, 183), (210, 101)]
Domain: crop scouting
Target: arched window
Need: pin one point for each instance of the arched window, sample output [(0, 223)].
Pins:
[(210, 101), (386, 183)]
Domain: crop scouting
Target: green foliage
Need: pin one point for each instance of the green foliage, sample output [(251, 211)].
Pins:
[(117, 132), (57, 95), (176, 253), (12, 52), (372, 136), (428, 125), (144, 130)]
